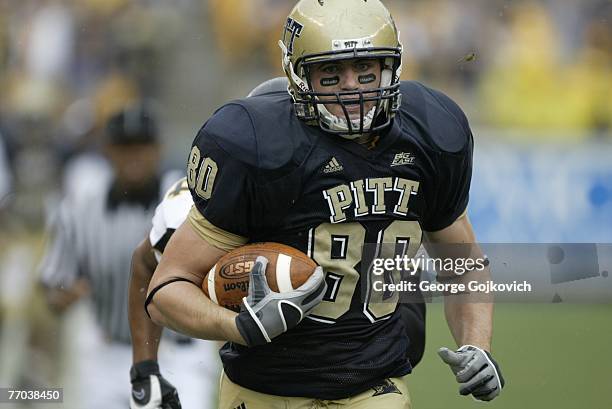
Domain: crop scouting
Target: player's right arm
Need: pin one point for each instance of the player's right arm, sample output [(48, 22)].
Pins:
[(218, 222), (184, 307), (176, 298)]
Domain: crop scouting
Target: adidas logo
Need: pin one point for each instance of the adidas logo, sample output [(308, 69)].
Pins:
[(241, 406), (403, 158), (333, 166)]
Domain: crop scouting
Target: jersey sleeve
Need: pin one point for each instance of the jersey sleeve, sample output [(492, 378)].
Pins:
[(454, 174), (220, 178), (60, 264), (169, 215)]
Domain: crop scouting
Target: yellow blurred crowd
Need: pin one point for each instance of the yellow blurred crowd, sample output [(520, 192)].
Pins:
[(525, 64)]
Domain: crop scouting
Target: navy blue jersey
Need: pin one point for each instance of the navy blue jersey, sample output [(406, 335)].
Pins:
[(257, 171)]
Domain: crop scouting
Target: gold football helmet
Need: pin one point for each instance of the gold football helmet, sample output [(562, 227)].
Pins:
[(320, 31)]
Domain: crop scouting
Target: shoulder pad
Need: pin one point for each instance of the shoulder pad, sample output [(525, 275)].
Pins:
[(274, 85), (257, 131), (445, 124)]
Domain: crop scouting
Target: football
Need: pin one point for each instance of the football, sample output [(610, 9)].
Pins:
[(227, 282)]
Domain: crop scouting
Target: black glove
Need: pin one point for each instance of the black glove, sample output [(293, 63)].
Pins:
[(475, 370), (150, 390), (266, 314)]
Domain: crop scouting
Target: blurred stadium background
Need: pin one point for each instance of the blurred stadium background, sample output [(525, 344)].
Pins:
[(535, 78)]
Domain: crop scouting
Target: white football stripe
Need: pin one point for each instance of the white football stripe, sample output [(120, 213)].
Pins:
[(283, 273), (309, 252), (211, 285)]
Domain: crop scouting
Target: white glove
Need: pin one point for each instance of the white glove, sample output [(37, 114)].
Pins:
[(476, 371), (266, 314)]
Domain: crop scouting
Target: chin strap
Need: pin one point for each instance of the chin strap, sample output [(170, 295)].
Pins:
[(335, 123)]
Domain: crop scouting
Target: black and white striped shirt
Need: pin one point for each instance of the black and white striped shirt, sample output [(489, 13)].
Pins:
[(93, 236)]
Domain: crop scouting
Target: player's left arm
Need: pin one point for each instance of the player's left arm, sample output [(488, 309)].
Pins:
[(470, 318), (450, 236), (469, 322)]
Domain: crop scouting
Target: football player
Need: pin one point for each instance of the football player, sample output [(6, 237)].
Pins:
[(350, 156), (145, 373)]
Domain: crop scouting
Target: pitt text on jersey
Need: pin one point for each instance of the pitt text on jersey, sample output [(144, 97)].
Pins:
[(367, 196)]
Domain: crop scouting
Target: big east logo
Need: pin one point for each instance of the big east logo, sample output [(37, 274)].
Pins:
[(237, 270)]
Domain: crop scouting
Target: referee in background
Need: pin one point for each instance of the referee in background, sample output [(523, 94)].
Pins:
[(93, 236)]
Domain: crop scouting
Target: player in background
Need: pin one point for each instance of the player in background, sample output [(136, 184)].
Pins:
[(145, 372), (352, 156)]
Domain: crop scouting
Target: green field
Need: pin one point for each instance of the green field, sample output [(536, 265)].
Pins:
[(552, 356)]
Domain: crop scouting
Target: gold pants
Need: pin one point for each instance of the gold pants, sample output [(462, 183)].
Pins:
[(390, 394)]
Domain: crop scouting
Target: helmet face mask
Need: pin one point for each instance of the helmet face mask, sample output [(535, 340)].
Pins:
[(366, 31), (332, 108)]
